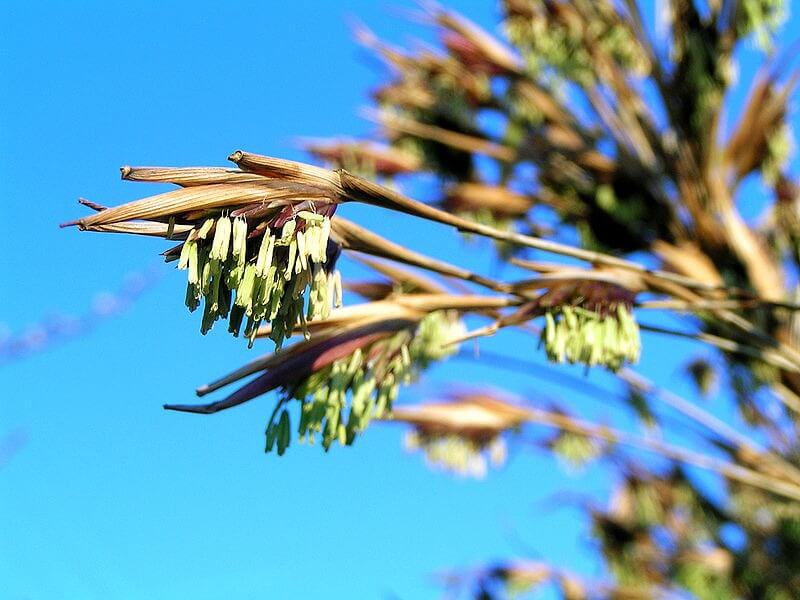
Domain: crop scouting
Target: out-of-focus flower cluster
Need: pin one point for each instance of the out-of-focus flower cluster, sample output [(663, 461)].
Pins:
[(557, 36), (462, 435), (590, 322)]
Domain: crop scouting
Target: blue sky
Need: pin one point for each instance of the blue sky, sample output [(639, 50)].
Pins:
[(110, 496)]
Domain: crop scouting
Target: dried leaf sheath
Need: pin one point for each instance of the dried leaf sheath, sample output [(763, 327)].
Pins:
[(189, 176), (183, 201), (342, 377)]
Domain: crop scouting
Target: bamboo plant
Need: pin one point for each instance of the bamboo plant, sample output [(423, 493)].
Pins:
[(592, 150)]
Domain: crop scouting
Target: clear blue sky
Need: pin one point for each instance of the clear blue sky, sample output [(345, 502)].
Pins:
[(110, 496)]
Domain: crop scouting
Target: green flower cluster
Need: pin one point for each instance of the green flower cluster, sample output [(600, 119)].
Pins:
[(576, 335), (459, 455), (560, 43), (366, 382), (575, 450), (269, 278), (762, 17)]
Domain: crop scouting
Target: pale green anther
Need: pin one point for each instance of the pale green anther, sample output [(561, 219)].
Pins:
[(290, 261), (613, 334), (366, 397), (272, 433), (310, 217), (589, 332), (192, 298), (193, 263), (305, 411), (570, 317), (318, 307), (333, 419), (383, 404), (323, 240), (267, 289), (272, 274), (235, 320), (213, 294), (324, 308), (205, 228), (267, 284), (405, 356), (596, 355), (561, 340), (234, 276), (224, 299), (239, 240), (353, 420), (183, 261), (327, 436), (342, 434), (244, 293), (255, 309), (369, 411), (284, 433), (251, 329), (321, 243), (549, 329), (294, 288), (222, 239), (608, 333), (208, 318), (302, 262), (216, 268), (287, 232), (269, 258), (354, 365), (337, 289), (312, 243), (277, 295), (337, 382), (205, 278), (264, 251), (393, 392), (238, 232)]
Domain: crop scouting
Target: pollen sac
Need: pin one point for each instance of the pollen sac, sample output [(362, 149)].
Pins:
[(277, 271), (338, 401)]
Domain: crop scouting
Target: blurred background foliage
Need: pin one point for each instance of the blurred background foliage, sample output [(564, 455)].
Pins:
[(604, 123)]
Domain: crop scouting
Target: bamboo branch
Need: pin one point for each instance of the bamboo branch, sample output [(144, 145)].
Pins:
[(361, 190), (770, 356), (490, 415), (747, 450), (725, 468)]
